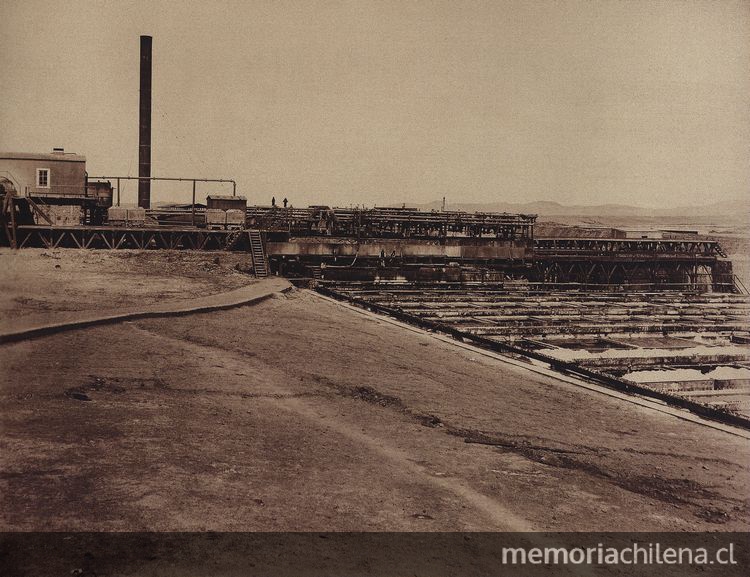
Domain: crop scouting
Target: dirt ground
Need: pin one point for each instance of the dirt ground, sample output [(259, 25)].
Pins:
[(38, 285), (300, 414)]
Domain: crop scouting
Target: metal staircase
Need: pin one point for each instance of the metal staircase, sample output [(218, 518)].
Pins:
[(260, 265)]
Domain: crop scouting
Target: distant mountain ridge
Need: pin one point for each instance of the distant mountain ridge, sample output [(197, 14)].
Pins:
[(730, 209)]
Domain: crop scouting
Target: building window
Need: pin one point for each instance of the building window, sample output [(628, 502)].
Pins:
[(42, 177)]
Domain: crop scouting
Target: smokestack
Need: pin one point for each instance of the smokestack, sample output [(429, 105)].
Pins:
[(144, 123)]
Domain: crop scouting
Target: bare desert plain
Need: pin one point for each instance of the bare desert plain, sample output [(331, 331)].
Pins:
[(299, 413)]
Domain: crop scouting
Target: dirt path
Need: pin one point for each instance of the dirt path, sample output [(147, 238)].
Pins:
[(298, 414), (246, 295), (39, 286)]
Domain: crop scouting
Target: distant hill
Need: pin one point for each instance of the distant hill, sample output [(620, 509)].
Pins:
[(736, 209)]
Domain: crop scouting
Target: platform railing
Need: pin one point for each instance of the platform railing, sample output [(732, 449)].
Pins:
[(58, 191)]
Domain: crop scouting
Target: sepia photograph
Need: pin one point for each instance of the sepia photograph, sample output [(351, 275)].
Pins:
[(374, 288)]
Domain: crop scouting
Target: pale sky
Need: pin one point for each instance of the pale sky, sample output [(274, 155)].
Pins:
[(374, 102)]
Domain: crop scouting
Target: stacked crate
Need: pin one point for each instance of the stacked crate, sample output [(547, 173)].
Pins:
[(226, 212), (131, 217), (216, 218), (64, 215)]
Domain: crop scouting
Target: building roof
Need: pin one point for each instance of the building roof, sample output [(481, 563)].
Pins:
[(59, 156), (226, 197)]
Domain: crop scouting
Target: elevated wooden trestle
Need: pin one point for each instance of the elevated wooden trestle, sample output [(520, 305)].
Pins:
[(110, 237), (695, 263)]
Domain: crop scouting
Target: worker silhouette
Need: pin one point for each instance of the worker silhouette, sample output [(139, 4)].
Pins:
[(273, 201), (285, 202)]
